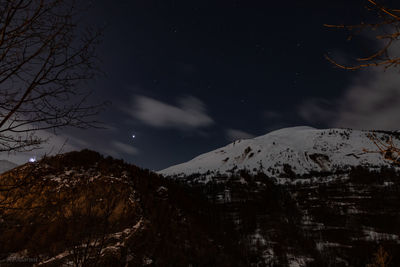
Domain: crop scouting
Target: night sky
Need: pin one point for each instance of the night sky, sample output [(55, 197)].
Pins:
[(186, 77)]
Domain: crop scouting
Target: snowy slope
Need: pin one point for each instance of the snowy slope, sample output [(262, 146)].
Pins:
[(303, 148), (6, 165)]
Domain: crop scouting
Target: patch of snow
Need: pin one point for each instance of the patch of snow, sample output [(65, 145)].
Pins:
[(371, 235), (257, 238), (388, 183), (323, 245), (298, 261), (55, 258), (147, 261)]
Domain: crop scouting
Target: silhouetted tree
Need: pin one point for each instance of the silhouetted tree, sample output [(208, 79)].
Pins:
[(381, 259), (385, 29), (44, 56)]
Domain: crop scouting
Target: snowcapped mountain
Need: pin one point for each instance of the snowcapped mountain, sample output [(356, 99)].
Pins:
[(6, 165), (330, 200), (111, 213), (297, 150)]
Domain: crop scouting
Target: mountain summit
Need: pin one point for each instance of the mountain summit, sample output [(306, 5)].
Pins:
[(297, 150)]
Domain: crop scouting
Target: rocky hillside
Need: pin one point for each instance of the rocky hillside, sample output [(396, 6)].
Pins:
[(85, 210)]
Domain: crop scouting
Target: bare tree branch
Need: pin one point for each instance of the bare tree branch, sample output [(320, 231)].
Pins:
[(44, 60), (387, 29), (386, 148), (388, 21)]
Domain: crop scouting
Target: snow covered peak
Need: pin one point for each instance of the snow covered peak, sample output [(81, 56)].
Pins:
[(304, 149)]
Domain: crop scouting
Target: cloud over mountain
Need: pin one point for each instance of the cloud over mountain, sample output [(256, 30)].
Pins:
[(189, 113), (234, 134), (371, 101)]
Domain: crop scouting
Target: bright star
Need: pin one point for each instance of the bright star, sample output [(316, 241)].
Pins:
[(133, 136)]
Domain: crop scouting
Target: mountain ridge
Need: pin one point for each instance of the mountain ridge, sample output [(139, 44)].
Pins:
[(304, 149)]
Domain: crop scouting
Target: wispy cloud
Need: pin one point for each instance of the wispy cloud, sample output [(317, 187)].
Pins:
[(371, 101), (318, 110), (272, 115), (234, 134), (54, 144), (189, 113), (124, 148)]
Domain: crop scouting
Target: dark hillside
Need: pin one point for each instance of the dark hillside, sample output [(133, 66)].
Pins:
[(339, 219), (96, 211)]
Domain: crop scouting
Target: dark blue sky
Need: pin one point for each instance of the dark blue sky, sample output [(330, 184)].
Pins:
[(243, 60), (187, 77)]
